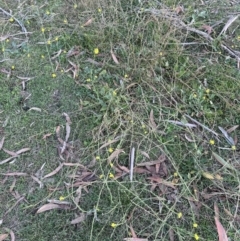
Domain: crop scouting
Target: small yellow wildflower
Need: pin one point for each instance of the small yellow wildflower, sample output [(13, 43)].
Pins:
[(161, 54), (28, 55), (204, 97), (175, 174), (114, 93), (114, 225), (111, 164), (62, 70), (211, 142), (207, 91), (7, 40), (47, 12), (234, 148), (54, 75), (196, 236), (145, 132), (75, 6), (88, 80), (11, 20), (61, 198), (13, 67), (48, 42), (97, 158), (96, 51), (195, 225), (56, 38), (238, 37), (65, 20), (179, 215), (42, 29), (101, 176), (110, 150), (3, 49), (42, 56), (143, 126), (111, 175), (99, 10), (28, 22), (125, 76), (195, 96)]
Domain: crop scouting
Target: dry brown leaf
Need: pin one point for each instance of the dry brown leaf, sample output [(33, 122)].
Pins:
[(179, 9), (114, 155), (68, 130), (140, 170), (208, 28), (1, 142), (145, 154), (11, 153), (161, 159), (135, 239), (161, 181), (69, 164), (123, 168), (133, 232), (151, 121), (222, 235), (36, 109), (208, 175), (14, 174), (58, 131), (12, 235), (171, 234), (56, 54), (79, 194), (47, 135), (54, 172), (68, 120), (232, 128), (107, 144), (3, 236), (47, 207), (114, 58), (88, 22), (7, 160), (79, 219), (37, 180)]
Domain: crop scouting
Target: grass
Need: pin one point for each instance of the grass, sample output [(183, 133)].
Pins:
[(161, 77)]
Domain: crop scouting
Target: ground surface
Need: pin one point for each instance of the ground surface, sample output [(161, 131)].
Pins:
[(89, 87)]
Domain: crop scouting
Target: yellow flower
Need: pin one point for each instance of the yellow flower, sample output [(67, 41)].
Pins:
[(3, 49), (111, 164), (211, 142), (175, 174), (7, 40), (88, 80), (114, 225), (114, 93), (101, 176), (97, 157), (65, 20), (161, 54), (179, 215), (99, 10), (207, 91), (96, 51), (42, 56), (13, 67), (234, 148), (48, 42), (196, 236), (56, 38), (11, 20), (110, 149), (238, 37), (47, 12), (195, 225), (75, 6), (54, 75), (194, 95), (125, 76), (28, 55), (111, 175), (61, 198), (28, 22), (42, 29)]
